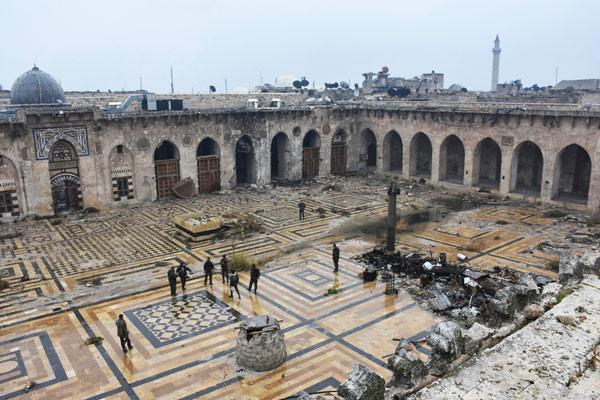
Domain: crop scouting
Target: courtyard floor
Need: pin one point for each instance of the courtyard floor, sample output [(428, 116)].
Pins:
[(86, 272)]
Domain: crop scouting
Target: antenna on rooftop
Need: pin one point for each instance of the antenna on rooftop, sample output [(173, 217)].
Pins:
[(172, 88)]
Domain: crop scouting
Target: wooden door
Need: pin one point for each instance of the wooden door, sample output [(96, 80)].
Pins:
[(65, 196), (167, 175), (310, 162), (209, 174), (338, 159)]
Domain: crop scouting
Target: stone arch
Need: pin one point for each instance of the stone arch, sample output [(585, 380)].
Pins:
[(9, 188), (63, 165), (487, 164), (120, 160), (311, 149), (166, 167), (367, 158), (452, 160), (526, 169), (420, 155), (339, 152), (208, 161), (572, 173), (280, 157), (245, 164), (392, 152)]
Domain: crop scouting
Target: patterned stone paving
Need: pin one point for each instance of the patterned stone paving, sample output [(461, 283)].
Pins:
[(184, 347)]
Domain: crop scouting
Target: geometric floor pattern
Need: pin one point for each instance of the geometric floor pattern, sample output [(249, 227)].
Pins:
[(184, 316), (184, 347)]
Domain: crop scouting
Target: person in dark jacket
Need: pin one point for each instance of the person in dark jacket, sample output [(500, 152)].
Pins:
[(301, 207), (172, 276), (335, 255), (208, 271), (182, 272), (225, 269), (123, 333), (234, 279), (254, 275)]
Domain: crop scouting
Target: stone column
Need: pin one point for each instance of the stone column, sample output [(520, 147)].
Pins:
[(393, 191)]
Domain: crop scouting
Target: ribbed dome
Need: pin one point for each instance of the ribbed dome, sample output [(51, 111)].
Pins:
[(36, 87)]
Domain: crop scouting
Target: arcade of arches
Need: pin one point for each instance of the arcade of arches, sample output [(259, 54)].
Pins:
[(570, 177)]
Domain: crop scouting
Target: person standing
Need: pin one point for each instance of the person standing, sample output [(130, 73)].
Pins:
[(234, 279), (301, 207), (208, 271), (182, 271), (335, 255), (254, 275), (172, 276), (224, 269), (123, 333)]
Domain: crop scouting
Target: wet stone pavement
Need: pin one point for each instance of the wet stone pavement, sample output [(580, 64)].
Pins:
[(84, 273)]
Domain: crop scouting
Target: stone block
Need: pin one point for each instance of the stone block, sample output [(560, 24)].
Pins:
[(362, 384), (474, 336), (590, 262), (408, 369), (569, 268)]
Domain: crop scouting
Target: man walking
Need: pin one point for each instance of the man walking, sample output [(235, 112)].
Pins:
[(335, 255), (123, 333), (254, 275), (182, 271), (234, 279), (208, 271), (224, 269), (301, 207), (172, 276)]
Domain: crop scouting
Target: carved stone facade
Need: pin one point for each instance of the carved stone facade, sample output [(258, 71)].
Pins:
[(544, 154)]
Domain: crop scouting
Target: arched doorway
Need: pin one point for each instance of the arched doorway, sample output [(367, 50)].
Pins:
[(452, 160), (209, 166), (121, 171), (244, 161), (392, 152), (527, 168), (487, 161), (420, 155), (63, 165), (311, 147), (166, 165), (572, 174), (9, 188), (280, 152), (368, 150), (338, 153)]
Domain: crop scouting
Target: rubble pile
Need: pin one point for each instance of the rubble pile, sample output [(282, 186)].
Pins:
[(463, 294)]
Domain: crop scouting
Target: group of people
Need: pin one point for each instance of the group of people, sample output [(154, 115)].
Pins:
[(230, 277)]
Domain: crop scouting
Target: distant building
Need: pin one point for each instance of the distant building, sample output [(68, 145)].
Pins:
[(579, 84), (381, 82)]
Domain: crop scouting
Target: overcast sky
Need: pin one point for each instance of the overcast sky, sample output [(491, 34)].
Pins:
[(110, 44)]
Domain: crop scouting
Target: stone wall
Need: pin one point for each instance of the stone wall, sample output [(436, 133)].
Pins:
[(141, 133)]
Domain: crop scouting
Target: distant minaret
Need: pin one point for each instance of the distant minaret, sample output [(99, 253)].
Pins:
[(496, 64)]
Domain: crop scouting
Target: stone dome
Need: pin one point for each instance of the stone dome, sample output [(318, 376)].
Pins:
[(36, 87)]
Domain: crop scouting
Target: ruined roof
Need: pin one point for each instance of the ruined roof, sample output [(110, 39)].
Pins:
[(36, 87), (581, 84)]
